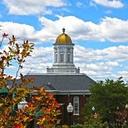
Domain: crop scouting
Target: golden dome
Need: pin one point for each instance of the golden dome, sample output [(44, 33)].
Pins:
[(63, 39)]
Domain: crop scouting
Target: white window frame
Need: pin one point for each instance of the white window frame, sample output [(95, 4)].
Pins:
[(76, 105)]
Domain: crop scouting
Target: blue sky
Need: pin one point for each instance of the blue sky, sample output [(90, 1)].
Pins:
[(99, 29)]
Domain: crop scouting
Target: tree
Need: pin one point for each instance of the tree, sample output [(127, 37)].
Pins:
[(107, 97), (94, 121), (41, 109)]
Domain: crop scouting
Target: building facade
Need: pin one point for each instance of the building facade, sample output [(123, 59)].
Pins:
[(65, 81)]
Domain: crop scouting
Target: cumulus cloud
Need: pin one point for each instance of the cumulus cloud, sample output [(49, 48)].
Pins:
[(111, 29), (109, 3), (21, 31), (114, 29), (99, 70), (124, 74), (108, 29), (96, 63), (102, 63), (115, 53), (26, 7), (38, 62)]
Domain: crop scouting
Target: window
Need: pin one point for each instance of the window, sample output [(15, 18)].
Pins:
[(76, 105), (68, 50), (61, 57), (68, 58)]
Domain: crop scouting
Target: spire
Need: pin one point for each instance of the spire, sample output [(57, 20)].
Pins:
[(63, 30)]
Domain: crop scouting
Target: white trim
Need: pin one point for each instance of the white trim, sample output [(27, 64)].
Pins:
[(71, 92), (76, 105)]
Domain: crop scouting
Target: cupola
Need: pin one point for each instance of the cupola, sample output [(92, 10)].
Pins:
[(63, 39)]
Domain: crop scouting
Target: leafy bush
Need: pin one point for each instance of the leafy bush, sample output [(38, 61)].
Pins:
[(65, 126), (77, 126), (94, 121)]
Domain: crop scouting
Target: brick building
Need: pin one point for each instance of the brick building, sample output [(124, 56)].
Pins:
[(65, 80)]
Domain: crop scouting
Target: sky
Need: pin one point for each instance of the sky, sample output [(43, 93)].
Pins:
[(98, 28)]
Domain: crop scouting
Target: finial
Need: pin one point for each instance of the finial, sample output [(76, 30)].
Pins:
[(63, 30)]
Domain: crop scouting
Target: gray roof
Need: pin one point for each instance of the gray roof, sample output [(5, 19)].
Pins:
[(62, 82)]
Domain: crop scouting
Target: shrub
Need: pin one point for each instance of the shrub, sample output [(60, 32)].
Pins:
[(77, 126)]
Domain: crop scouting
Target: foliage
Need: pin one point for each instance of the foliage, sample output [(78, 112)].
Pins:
[(94, 121), (65, 126), (77, 126), (41, 109), (121, 118), (106, 97)]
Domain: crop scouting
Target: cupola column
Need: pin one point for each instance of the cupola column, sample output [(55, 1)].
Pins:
[(71, 55), (65, 56)]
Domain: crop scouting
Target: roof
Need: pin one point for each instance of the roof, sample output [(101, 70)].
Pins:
[(62, 82)]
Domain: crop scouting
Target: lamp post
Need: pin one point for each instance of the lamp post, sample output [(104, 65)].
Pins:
[(70, 110), (93, 109), (95, 115), (22, 104), (126, 106)]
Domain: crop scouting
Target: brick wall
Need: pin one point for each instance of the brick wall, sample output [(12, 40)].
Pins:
[(64, 101)]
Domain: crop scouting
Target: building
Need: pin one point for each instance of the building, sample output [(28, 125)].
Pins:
[(65, 80)]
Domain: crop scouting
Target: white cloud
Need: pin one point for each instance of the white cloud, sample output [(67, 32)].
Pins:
[(124, 74), (110, 3), (99, 71), (114, 29), (21, 31), (108, 29), (111, 29), (38, 62), (115, 53), (26, 7), (102, 63), (98, 64)]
